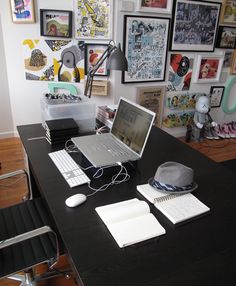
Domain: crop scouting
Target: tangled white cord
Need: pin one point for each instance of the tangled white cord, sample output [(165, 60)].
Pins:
[(114, 180)]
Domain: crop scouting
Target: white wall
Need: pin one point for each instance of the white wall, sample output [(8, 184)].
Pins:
[(6, 122), (24, 95)]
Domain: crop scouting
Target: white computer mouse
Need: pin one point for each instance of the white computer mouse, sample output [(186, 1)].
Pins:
[(75, 200)]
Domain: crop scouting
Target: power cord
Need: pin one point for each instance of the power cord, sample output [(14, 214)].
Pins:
[(114, 181)]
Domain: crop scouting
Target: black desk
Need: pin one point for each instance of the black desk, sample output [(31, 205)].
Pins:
[(202, 252)]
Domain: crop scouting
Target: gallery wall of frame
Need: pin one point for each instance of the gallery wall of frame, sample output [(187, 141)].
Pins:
[(176, 50)]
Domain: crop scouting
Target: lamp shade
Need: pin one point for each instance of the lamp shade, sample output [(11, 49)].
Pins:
[(117, 60)]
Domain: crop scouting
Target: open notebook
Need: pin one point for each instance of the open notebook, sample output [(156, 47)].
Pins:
[(130, 221), (176, 207)]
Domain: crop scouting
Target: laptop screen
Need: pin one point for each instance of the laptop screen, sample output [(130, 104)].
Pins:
[(132, 125)]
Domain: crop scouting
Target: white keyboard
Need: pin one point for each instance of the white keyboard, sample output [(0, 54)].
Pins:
[(71, 171)]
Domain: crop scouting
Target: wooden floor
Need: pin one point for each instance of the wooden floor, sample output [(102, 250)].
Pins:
[(218, 150), (12, 158)]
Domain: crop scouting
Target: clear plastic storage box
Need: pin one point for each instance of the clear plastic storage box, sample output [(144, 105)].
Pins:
[(83, 112)]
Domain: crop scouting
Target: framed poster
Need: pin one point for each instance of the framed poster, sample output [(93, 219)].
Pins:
[(194, 25), (228, 12), (208, 68), (56, 23), (180, 71), (145, 47), (93, 54), (226, 37), (152, 98), (216, 95), (22, 12), (228, 58), (155, 6), (233, 64), (93, 19)]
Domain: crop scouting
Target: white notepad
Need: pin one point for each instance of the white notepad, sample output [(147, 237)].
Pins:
[(176, 207), (130, 221)]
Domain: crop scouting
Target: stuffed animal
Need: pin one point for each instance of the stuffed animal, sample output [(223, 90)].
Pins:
[(202, 120)]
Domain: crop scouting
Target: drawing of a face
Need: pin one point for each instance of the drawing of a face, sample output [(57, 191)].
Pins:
[(205, 70)]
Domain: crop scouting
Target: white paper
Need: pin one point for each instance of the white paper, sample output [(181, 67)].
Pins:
[(130, 221)]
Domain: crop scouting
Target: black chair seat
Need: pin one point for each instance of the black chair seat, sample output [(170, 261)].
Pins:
[(18, 219)]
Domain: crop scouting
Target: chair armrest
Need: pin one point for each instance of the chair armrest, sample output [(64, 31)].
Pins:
[(16, 173), (28, 235), (11, 174)]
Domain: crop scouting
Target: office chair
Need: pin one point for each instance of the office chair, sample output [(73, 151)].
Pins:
[(27, 239)]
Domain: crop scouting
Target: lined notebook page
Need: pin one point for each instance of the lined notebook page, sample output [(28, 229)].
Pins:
[(175, 207), (180, 208)]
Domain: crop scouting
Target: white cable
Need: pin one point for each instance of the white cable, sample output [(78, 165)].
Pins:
[(71, 148), (114, 181)]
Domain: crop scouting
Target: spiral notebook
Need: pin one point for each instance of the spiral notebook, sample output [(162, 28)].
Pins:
[(176, 207)]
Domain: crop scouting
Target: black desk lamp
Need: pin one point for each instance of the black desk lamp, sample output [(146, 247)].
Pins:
[(116, 60)]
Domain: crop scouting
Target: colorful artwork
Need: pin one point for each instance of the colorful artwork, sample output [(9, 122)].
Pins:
[(155, 6), (93, 54), (22, 11), (182, 100), (93, 19), (48, 60), (180, 72), (56, 23), (228, 12), (178, 119), (208, 68), (145, 47)]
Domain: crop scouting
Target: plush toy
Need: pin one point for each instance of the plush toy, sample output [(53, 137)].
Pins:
[(202, 120)]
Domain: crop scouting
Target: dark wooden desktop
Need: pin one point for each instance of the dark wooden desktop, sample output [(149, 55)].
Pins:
[(201, 252)]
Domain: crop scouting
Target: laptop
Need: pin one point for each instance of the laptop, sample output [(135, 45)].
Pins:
[(125, 141)]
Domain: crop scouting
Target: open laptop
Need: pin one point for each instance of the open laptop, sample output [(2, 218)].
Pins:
[(125, 141)]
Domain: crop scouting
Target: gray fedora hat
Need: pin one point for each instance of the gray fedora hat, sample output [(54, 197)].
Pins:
[(173, 177)]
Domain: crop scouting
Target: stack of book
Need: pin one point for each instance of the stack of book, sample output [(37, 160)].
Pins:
[(60, 130), (105, 114)]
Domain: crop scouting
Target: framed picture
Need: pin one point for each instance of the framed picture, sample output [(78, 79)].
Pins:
[(208, 68), (93, 19), (145, 47), (56, 23), (194, 25), (180, 71), (228, 58), (152, 98), (226, 37), (155, 6), (228, 12), (22, 12), (233, 64), (216, 95), (93, 54)]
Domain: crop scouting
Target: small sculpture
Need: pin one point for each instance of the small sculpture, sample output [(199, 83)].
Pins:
[(202, 121)]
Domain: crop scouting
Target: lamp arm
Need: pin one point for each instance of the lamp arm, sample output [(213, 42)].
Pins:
[(93, 69)]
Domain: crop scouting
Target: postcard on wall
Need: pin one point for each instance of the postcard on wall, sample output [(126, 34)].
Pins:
[(145, 47), (93, 19), (22, 11), (180, 72), (53, 60), (152, 98)]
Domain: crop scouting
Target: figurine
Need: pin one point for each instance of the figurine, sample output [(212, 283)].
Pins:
[(202, 121)]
